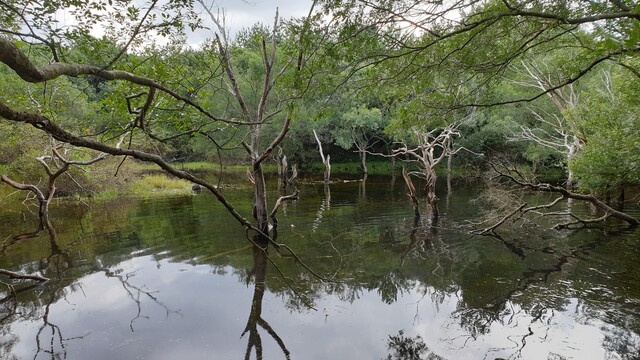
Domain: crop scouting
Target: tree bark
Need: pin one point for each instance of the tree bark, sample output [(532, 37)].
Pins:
[(43, 200), (294, 174), (325, 160), (363, 162), (260, 201), (594, 201), (449, 168), (573, 148), (430, 188), (412, 192), (327, 170)]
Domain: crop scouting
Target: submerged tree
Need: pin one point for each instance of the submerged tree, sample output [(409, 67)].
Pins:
[(55, 163), (256, 116), (326, 160), (432, 147)]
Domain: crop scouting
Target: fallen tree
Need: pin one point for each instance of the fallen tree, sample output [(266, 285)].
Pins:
[(517, 178)]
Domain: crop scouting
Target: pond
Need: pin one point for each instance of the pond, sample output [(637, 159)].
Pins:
[(175, 278)]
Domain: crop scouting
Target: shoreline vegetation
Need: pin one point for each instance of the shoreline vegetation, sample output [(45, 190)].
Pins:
[(138, 179)]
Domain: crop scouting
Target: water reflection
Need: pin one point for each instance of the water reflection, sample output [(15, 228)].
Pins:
[(403, 347), (362, 188), (324, 206), (258, 273), (168, 278), (23, 299)]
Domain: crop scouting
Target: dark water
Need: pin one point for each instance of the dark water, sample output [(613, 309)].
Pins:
[(175, 278)]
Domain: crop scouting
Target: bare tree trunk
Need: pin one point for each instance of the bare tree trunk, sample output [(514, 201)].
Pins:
[(255, 121), (43, 200), (573, 148), (449, 166), (260, 211), (283, 168), (59, 165), (294, 174), (430, 189), (412, 192), (327, 170), (326, 161), (363, 162), (362, 188), (433, 147), (570, 180), (279, 162)]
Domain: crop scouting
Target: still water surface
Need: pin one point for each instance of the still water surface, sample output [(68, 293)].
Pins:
[(175, 278)]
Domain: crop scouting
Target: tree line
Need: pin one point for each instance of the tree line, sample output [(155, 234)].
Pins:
[(474, 84)]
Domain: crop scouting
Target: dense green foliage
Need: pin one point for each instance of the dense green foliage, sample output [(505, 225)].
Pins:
[(516, 79), (608, 117)]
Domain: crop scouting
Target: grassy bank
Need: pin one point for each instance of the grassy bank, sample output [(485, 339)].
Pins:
[(202, 166), (137, 179)]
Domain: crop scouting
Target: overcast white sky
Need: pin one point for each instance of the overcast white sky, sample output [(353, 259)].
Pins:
[(239, 14), (244, 13)]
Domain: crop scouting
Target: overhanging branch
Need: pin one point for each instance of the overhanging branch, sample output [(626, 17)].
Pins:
[(518, 179), (13, 57)]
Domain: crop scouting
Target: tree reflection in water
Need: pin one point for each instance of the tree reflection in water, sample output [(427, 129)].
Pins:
[(136, 293), (25, 299), (409, 348), (258, 273), (522, 290), (21, 302), (518, 296)]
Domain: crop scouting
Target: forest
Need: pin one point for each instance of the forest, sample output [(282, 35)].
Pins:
[(555, 94), (530, 108)]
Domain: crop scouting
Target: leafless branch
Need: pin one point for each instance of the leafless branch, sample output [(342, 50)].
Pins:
[(19, 276), (281, 200), (515, 177)]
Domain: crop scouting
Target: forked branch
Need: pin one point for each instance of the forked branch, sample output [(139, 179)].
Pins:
[(514, 176)]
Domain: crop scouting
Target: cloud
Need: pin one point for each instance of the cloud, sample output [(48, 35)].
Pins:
[(243, 14)]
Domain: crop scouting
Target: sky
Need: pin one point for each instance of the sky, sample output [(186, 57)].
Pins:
[(239, 14), (244, 13)]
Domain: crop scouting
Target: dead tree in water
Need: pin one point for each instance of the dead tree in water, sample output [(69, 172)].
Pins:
[(283, 169), (547, 209), (412, 192), (254, 116), (325, 160), (55, 164), (432, 147)]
